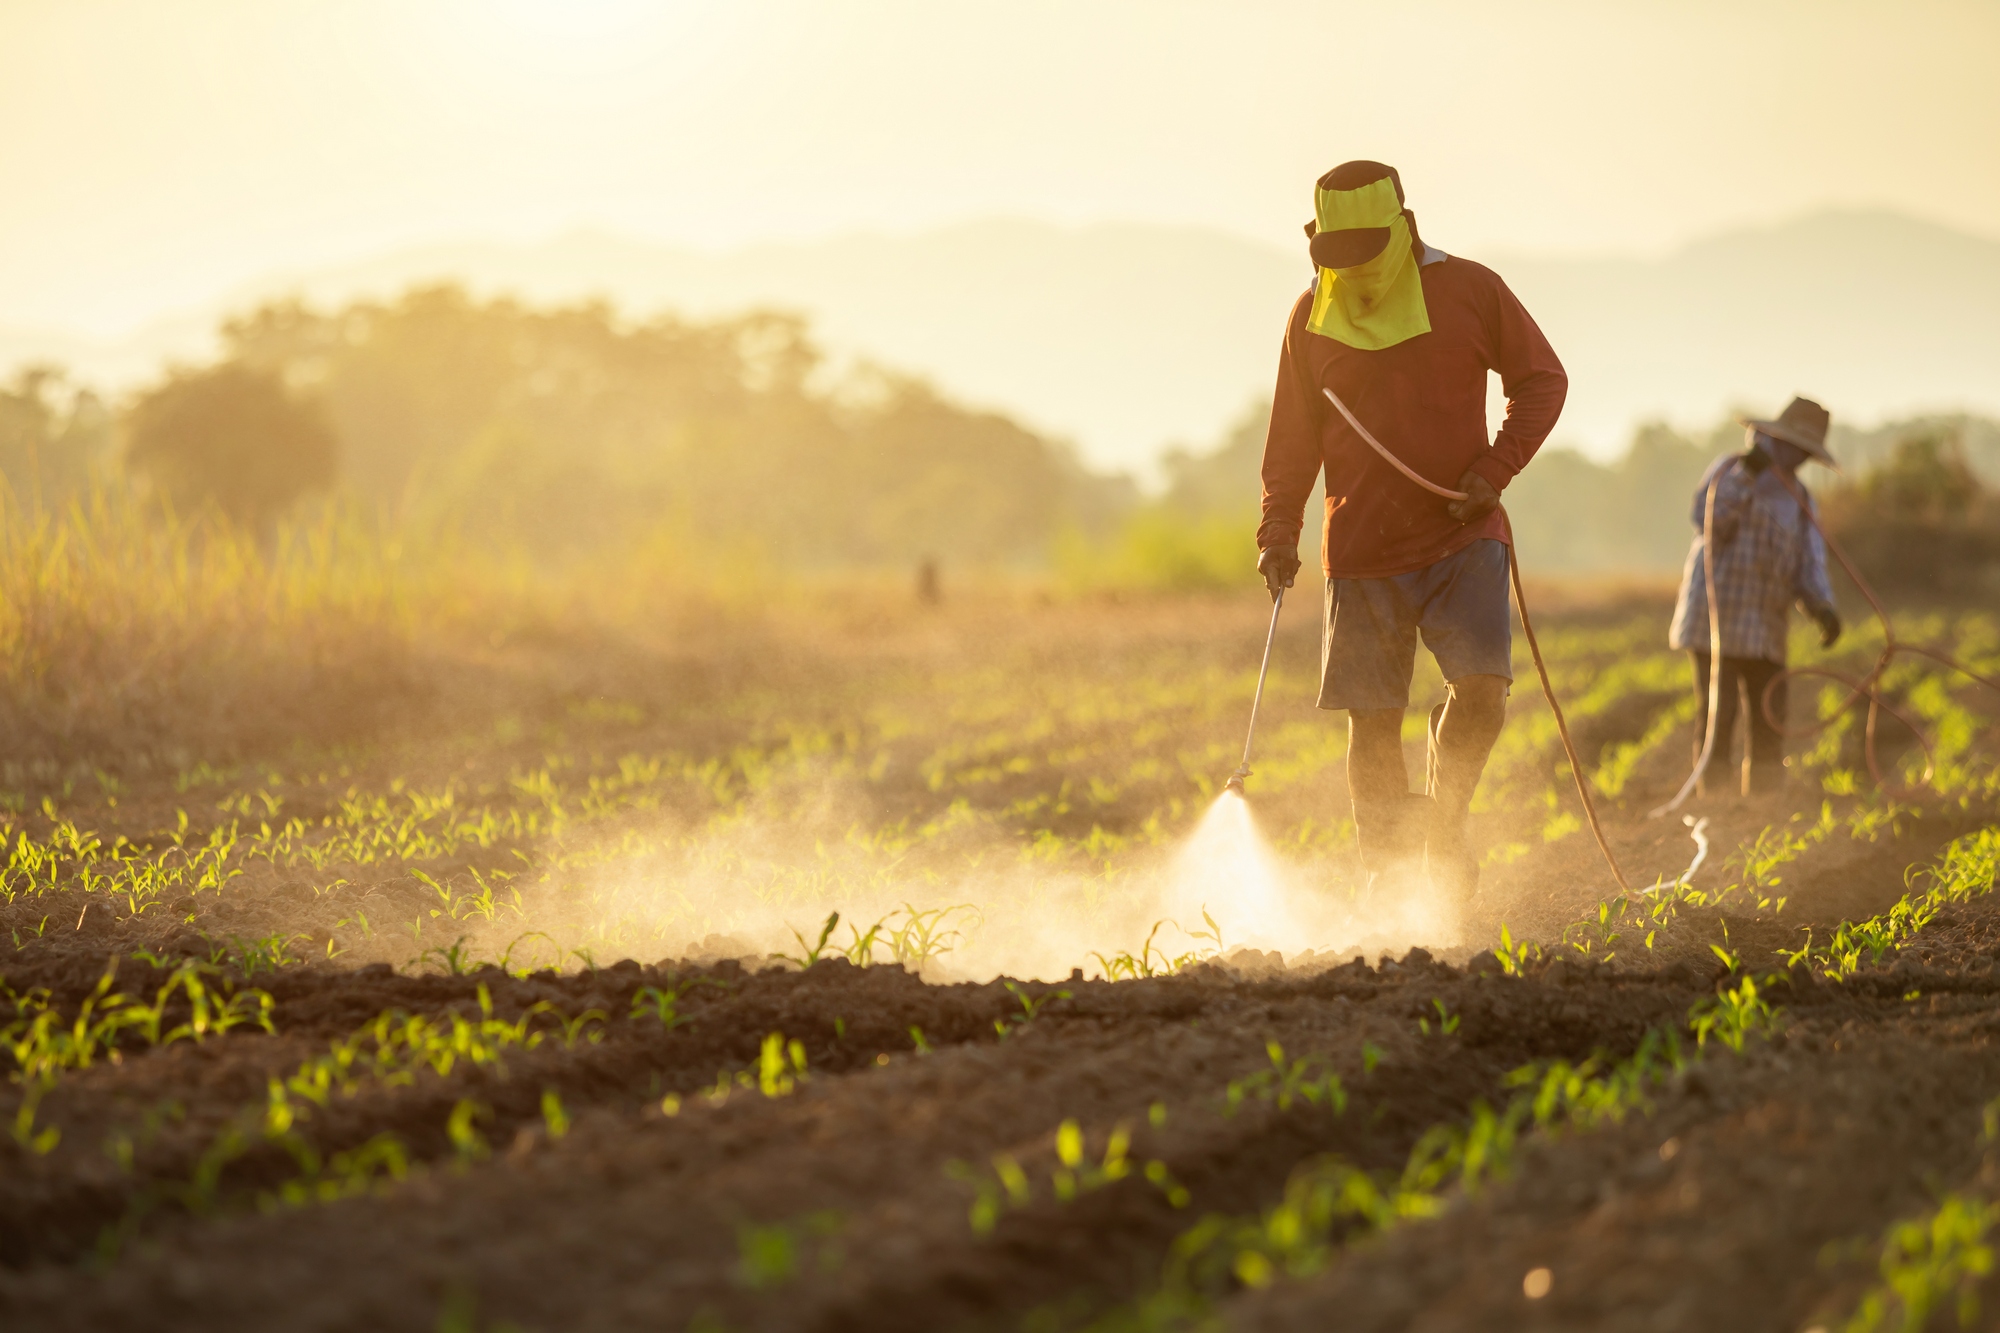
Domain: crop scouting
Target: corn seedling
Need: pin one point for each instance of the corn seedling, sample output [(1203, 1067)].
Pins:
[(462, 1128), (781, 1066), (382, 1160), (1938, 1260), (1930, 1264), (1965, 871), (1030, 1007), (1579, 1097), (1006, 1187), (554, 1118), (455, 960), (1131, 967), (1514, 958), (1286, 1082), (1733, 1016), (922, 936), (772, 1256), (661, 1003), (1597, 936), (810, 954)]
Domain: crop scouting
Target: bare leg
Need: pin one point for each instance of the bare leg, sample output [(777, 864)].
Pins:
[(1389, 818), (1475, 709), (1375, 769)]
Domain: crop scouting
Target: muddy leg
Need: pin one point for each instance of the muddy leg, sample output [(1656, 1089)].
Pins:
[(1463, 730), (1388, 816)]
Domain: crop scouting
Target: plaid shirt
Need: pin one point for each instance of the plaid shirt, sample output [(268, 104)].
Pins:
[(1775, 559)]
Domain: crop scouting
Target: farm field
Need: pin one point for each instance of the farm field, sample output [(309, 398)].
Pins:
[(836, 962)]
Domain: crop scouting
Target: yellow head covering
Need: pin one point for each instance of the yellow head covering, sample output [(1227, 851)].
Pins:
[(1380, 303)]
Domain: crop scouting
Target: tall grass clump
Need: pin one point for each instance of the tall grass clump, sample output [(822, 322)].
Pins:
[(129, 633), (1160, 548)]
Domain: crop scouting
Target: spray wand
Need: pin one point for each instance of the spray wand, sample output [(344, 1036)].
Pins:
[(1235, 782)]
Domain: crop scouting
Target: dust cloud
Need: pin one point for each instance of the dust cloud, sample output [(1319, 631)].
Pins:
[(966, 902)]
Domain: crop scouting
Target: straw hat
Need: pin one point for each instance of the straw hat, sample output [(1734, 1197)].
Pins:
[(1803, 423)]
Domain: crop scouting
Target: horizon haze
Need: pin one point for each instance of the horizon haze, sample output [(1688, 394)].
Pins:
[(1074, 331)]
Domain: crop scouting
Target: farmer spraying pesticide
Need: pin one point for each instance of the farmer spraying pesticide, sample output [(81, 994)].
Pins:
[(1382, 382), (1757, 550)]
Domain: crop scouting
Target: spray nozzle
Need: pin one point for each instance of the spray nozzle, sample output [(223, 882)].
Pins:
[(1235, 782)]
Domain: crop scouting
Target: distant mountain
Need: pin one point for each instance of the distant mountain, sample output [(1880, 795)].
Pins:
[(1127, 338), (1873, 314)]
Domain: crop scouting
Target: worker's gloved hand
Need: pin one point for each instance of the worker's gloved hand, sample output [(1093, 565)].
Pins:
[(1480, 498), (1828, 621), (1279, 565)]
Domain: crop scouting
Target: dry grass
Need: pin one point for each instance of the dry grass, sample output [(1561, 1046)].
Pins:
[(131, 638)]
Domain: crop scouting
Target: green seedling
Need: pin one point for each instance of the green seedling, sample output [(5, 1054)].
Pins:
[(1965, 871), (1007, 1187), (773, 1256), (1595, 937), (810, 954), (1213, 934), (455, 959), (250, 957), (507, 958), (42, 1141), (381, 1161), (1444, 1026), (923, 936), (1286, 1082), (1580, 1097), (573, 1028), (861, 949), (662, 1004), (781, 1066), (462, 1129), (1030, 1007), (1514, 958), (1937, 1260), (1150, 961), (554, 1118), (1733, 1016)]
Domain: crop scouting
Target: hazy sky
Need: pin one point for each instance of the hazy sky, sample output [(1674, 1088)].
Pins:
[(154, 154)]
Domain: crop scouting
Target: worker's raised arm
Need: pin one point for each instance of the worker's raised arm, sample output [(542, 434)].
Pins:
[(1291, 447), (1534, 381)]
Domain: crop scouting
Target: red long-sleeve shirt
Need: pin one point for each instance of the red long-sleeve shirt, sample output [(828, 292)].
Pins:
[(1425, 399)]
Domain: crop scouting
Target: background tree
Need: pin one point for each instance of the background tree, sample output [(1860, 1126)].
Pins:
[(232, 436), (1920, 524), (568, 429), (51, 435)]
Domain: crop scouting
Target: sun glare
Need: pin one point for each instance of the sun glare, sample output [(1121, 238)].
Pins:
[(527, 43)]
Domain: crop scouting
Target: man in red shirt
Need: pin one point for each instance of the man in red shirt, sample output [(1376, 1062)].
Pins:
[(1403, 336)]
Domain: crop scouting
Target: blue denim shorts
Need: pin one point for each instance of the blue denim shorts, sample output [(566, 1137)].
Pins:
[(1458, 604)]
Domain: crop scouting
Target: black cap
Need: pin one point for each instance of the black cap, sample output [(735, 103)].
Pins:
[(1353, 245)]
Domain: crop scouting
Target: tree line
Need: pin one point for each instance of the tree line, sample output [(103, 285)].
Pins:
[(567, 429), (1915, 501)]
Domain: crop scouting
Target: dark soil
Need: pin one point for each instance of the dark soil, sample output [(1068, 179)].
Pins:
[(668, 1191), (1865, 1104)]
